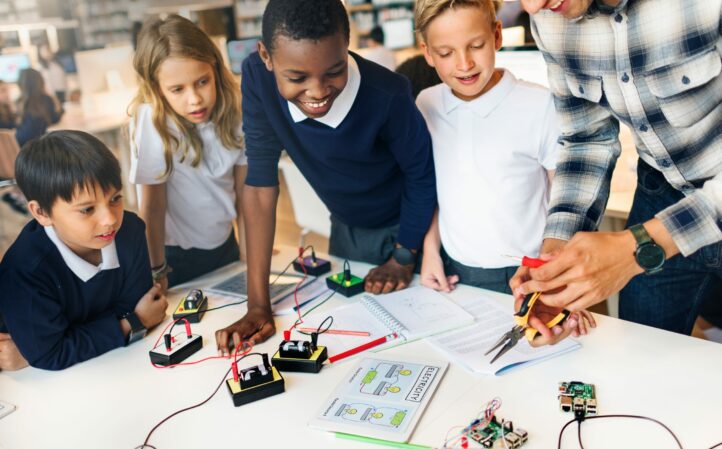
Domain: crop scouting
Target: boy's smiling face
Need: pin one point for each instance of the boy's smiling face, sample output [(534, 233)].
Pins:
[(460, 44), (86, 224), (309, 73)]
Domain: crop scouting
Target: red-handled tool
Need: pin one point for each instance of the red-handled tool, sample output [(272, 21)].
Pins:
[(530, 262)]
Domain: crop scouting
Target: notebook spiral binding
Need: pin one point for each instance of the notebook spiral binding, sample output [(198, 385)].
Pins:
[(383, 315)]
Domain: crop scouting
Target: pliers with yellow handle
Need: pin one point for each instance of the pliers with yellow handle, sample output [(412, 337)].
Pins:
[(522, 328)]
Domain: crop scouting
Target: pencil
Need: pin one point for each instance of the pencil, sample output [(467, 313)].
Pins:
[(363, 347), (337, 332)]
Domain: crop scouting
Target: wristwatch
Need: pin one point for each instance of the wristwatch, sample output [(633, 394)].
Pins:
[(403, 256), (649, 255), (137, 330)]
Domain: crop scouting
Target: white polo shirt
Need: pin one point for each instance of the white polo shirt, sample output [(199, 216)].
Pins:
[(491, 156), (201, 200)]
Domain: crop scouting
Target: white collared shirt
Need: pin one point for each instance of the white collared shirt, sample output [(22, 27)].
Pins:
[(79, 266), (201, 201), (341, 105), (491, 157)]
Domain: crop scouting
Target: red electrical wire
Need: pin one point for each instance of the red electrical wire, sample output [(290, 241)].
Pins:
[(246, 352), (287, 333)]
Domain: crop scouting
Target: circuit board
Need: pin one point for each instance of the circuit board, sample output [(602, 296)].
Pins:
[(490, 436), (577, 397)]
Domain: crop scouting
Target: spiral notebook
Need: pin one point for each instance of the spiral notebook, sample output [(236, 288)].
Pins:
[(412, 313)]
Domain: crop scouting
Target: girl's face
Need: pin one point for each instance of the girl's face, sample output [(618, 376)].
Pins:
[(189, 87)]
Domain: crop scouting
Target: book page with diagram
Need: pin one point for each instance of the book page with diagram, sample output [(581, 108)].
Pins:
[(381, 398)]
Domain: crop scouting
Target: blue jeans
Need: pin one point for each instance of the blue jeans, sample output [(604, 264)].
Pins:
[(190, 263), (670, 299), (496, 279)]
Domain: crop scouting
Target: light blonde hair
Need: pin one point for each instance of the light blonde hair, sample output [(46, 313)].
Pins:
[(176, 36), (426, 11)]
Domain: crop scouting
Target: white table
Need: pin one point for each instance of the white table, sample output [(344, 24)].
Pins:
[(115, 399)]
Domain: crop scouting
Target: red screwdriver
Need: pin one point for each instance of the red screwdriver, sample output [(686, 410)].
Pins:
[(530, 262)]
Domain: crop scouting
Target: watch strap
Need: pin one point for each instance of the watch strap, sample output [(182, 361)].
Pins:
[(640, 234), (137, 330), (403, 256)]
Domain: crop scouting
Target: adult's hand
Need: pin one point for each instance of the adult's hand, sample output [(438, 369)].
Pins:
[(550, 248)]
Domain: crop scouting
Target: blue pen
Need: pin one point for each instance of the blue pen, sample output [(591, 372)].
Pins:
[(295, 309)]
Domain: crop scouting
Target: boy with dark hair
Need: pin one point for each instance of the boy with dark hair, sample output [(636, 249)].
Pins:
[(75, 284), (376, 50), (352, 129)]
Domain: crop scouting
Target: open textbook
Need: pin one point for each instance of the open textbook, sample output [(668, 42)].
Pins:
[(411, 313), (381, 398), (467, 346)]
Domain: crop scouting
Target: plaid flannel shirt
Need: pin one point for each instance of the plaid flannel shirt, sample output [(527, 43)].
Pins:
[(655, 66)]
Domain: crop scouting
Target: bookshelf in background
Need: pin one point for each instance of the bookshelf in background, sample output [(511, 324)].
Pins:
[(366, 14), (248, 15), (103, 22)]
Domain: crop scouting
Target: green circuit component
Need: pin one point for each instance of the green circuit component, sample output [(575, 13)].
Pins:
[(490, 436), (577, 397)]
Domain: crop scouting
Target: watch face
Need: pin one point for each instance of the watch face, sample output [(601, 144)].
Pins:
[(650, 257)]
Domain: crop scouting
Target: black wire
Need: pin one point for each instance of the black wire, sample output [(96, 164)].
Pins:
[(298, 321), (717, 445), (319, 331), (561, 432), (579, 433), (278, 276), (145, 443), (178, 412), (170, 331)]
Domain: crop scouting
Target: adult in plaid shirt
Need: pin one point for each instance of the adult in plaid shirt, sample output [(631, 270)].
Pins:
[(655, 66)]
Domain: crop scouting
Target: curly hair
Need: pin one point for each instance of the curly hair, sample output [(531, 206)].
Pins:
[(303, 19)]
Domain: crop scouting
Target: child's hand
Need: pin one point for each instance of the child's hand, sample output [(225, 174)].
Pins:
[(433, 275), (388, 277), (151, 307), (10, 357), (256, 327), (577, 323), (163, 282), (586, 320)]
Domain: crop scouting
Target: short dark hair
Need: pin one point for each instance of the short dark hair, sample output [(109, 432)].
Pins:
[(421, 74), (377, 34), (303, 19), (61, 162)]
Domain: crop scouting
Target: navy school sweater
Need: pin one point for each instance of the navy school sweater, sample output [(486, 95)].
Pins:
[(374, 170), (57, 320)]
